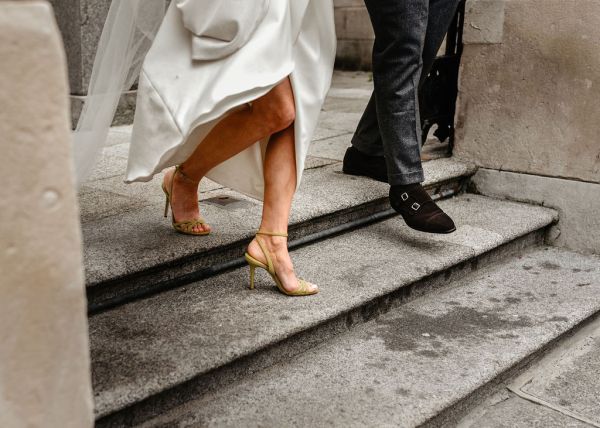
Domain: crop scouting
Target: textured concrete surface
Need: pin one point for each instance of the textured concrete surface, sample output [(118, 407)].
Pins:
[(81, 23), (510, 411), (124, 231), (574, 385), (146, 346), (484, 22), (44, 354), (419, 359), (577, 202), (355, 35), (536, 109), (559, 390), (570, 380)]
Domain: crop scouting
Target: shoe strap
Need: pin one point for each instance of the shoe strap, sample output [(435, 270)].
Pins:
[(179, 170), (170, 197), (282, 234), (171, 188), (266, 253), (418, 194), (192, 223), (263, 247)]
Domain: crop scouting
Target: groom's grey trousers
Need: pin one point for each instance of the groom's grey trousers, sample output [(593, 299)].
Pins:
[(408, 35)]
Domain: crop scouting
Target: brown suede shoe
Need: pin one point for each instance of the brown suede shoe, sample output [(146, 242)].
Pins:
[(419, 211)]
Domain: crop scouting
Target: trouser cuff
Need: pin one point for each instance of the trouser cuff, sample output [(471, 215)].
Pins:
[(367, 148), (408, 178)]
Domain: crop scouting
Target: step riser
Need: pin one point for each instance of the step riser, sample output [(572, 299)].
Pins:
[(110, 294), (455, 413), (301, 342)]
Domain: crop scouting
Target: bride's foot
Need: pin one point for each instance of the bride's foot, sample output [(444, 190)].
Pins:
[(184, 199), (282, 263)]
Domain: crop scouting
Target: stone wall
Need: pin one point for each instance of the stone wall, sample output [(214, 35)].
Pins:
[(355, 35), (530, 96), (529, 103), (45, 376), (81, 23)]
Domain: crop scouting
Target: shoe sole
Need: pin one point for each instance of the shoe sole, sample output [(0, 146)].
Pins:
[(445, 232), (362, 174)]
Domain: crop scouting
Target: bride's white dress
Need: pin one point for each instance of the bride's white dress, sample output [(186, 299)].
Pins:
[(180, 99)]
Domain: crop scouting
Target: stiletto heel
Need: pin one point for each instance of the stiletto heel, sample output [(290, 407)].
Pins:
[(252, 269), (185, 227), (304, 288)]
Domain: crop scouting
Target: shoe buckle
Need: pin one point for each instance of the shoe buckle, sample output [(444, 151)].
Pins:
[(415, 206), (404, 196)]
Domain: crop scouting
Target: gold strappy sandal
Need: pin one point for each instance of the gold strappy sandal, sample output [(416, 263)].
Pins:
[(185, 227), (304, 287)]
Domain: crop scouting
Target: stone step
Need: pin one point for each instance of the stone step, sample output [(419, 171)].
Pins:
[(134, 252), (425, 362), (557, 389), (152, 354)]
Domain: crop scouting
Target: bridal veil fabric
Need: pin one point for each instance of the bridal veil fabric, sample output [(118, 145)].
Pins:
[(127, 35), (208, 58)]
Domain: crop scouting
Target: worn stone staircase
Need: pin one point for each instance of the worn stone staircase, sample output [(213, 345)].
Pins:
[(408, 328)]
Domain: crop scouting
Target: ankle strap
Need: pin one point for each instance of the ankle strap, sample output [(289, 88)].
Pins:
[(260, 232), (186, 177)]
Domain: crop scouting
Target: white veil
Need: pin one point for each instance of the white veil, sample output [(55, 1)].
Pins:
[(127, 35)]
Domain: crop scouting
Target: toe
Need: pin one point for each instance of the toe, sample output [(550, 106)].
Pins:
[(310, 287), (441, 222)]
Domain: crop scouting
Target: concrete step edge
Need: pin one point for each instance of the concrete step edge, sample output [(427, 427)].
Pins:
[(260, 359), (297, 341), (453, 413), (106, 294), (447, 351)]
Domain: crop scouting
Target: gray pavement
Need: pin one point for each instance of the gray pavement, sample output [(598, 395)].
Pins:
[(181, 334), (401, 370), (560, 390), (424, 357), (510, 411)]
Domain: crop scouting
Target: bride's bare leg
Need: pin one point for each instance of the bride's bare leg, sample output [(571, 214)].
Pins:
[(267, 115), (280, 185)]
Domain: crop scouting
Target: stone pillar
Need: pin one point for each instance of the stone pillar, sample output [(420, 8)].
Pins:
[(529, 103), (355, 35), (44, 353)]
